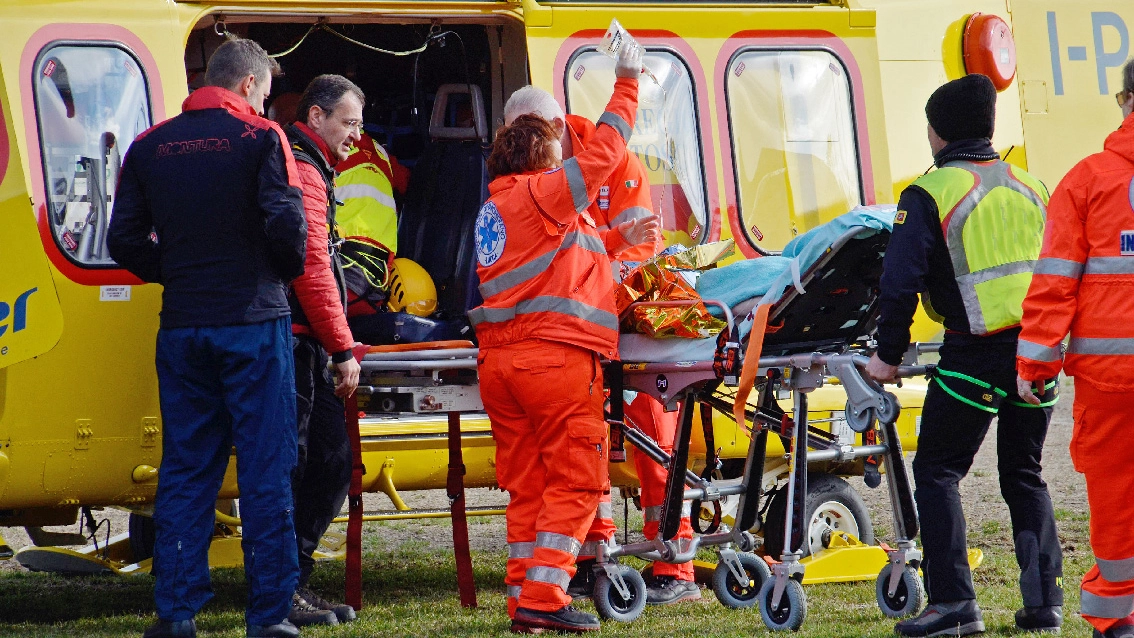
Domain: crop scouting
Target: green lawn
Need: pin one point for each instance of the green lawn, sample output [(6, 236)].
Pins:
[(410, 591)]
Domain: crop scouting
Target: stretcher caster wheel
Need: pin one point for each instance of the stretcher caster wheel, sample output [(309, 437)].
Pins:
[(792, 610), (739, 595), (611, 604), (907, 599)]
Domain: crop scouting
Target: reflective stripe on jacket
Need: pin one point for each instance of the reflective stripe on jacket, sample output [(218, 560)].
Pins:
[(992, 217), (365, 188), (542, 264), (1084, 280)]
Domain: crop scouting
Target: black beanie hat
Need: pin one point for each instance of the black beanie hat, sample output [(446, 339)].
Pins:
[(963, 109)]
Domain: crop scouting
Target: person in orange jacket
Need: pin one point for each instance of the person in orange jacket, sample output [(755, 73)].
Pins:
[(1079, 286), (548, 317), (623, 199)]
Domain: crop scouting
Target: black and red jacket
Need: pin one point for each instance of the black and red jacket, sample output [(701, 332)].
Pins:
[(209, 205), (318, 296)]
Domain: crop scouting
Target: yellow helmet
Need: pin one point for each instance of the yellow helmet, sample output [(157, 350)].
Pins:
[(411, 289)]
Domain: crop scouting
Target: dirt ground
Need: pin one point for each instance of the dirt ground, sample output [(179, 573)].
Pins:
[(987, 516)]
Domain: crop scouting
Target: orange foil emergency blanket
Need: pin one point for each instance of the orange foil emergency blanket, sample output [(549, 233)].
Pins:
[(655, 280)]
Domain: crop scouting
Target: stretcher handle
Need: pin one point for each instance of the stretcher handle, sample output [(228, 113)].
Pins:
[(903, 372), (680, 303), (423, 355)]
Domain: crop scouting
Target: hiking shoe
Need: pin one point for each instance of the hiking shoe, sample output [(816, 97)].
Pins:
[(567, 619), (1040, 619), (667, 590), (304, 613), (345, 613), (1118, 631), (282, 630), (172, 629), (583, 582), (961, 618)]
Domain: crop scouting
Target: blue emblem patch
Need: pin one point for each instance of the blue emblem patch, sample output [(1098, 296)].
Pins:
[(490, 235)]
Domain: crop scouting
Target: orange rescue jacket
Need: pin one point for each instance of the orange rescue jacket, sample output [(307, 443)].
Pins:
[(1084, 280), (542, 264), (624, 196)]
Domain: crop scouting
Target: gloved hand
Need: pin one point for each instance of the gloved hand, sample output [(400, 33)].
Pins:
[(629, 62), (1026, 391), (644, 230)]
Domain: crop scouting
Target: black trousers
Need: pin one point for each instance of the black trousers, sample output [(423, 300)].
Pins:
[(951, 434), (322, 475)]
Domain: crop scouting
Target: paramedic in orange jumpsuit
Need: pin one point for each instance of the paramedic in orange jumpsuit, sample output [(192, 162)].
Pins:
[(624, 198), (1082, 284), (547, 318)]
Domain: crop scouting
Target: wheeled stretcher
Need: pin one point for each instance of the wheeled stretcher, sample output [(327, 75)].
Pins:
[(811, 334), (792, 343)]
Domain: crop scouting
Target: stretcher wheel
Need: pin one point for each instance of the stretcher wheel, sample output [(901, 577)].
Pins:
[(736, 595), (789, 616), (907, 599), (611, 605), (860, 421)]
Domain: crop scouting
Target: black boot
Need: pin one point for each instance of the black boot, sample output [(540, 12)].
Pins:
[(1118, 631), (960, 618), (568, 619), (1040, 619), (583, 582), (282, 630), (345, 613), (304, 613), (667, 590), (172, 629)]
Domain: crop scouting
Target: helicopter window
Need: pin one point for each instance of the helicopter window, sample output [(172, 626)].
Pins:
[(91, 102), (665, 134), (794, 149)]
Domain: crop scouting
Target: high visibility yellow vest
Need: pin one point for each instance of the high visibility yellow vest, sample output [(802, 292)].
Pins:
[(992, 216), (367, 194)]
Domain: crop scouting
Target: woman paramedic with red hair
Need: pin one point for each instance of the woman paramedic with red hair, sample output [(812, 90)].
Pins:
[(547, 318)]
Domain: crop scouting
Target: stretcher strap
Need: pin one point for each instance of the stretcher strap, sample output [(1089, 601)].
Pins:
[(354, 517), (751, 362), (455, 488)]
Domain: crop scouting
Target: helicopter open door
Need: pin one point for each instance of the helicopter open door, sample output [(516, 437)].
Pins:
[(31, 321)]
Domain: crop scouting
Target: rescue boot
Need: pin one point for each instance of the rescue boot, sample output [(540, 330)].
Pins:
[(345, 613), (582, 584), (1123, 630), (667, 590), (281, 630), (172, 629), (567, 619), (1040, 619), (960, 618), (304, 613)]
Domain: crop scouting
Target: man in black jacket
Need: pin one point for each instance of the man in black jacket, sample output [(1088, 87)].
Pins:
[(208, 205), (967, 236)]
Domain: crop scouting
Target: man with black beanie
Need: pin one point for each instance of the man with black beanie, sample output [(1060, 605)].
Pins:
[(966, 238)]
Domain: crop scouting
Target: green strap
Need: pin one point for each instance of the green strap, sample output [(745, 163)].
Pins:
[(962, 399), (973, 380)]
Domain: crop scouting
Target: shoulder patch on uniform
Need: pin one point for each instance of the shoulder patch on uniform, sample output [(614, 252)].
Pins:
[(900, 217), (1126, 242), (491, 235), (631, 183)]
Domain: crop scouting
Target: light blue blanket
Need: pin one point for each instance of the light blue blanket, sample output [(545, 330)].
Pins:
[(768, 277)]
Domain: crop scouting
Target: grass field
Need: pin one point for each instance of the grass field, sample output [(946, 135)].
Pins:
[(410, 591)]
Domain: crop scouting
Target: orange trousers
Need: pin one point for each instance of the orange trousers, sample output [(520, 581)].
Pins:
[(648, 414), (544, 400), (1101, 448)]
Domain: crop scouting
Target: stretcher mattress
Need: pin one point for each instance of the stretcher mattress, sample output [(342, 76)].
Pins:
[(743, 284)]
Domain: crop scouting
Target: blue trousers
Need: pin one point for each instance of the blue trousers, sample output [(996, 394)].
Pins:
[(223, 386)]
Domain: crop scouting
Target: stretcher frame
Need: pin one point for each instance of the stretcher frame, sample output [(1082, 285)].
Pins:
[(620, 591)]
